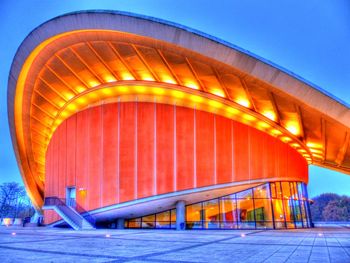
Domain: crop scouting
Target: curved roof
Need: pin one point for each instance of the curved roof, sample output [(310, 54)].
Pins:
[(82, 59)]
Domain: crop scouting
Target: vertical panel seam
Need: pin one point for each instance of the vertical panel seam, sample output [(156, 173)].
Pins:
[(215, 175), (101, 173), (135, 148), (155, 150), (118, 151), (175, 150), (194, 148), (249, 155), (232, 153)]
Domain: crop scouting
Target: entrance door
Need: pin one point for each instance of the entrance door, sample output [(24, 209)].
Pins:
[(70, 196)]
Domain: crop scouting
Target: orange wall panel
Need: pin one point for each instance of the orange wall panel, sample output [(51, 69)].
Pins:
[(256, 154), (95, 152), (71, 149), (62, 160), (224, 148), (241, 151), (119, 152), (184, 148), (127, 172), (82, 158), (205, 158), (165, 148), (145, 149), (110, 160)]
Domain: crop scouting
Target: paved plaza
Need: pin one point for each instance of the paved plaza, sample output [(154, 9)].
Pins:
[(327, 244)]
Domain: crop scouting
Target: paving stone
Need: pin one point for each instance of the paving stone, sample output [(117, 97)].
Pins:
[(64, 245)]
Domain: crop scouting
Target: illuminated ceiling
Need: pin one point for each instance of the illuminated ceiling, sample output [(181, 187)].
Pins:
[(85, 59)]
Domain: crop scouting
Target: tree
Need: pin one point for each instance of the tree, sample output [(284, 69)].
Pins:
[(330, 207), (14, 201)]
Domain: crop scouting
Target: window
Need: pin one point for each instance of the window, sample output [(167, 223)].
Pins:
[(270, 205)]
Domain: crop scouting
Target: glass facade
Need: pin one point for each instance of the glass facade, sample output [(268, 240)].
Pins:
[(274, 205)]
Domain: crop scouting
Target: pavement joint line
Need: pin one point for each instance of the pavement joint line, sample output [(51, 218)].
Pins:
[(295, 249), (329, 254), (313, 245), (157, 260), (281, 246), (343, 247), (143, 257), (62, 253), (286, 245), (36, 241)]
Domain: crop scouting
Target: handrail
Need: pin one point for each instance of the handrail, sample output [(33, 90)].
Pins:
[(56, 201)]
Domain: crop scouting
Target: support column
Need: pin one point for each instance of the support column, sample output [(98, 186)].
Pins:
[(120, 223), (37, 218), (180, 215)]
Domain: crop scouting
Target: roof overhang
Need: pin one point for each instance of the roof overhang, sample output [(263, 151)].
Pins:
[(78, 60)]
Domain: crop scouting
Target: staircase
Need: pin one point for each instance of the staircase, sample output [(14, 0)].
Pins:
[(68, 213)]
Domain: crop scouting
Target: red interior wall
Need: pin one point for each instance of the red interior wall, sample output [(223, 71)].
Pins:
[(119, 152)]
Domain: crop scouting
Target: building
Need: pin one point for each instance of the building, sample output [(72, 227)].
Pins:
[(137, 122)]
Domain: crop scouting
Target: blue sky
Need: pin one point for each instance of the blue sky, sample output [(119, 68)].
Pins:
[(310, 38)]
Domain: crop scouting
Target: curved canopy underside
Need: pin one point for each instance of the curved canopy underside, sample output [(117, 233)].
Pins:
[(83, 59)]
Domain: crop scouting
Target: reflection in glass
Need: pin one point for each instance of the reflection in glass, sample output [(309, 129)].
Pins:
[(194, 216), (163, 220), (261, 191), (211, 214), (228, 208), (134, 223), (148, 221), (270, 205)]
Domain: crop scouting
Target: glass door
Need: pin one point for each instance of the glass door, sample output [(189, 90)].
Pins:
[(71, 196)]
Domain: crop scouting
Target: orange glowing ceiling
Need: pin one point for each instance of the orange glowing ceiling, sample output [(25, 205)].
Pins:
[(74, 67)]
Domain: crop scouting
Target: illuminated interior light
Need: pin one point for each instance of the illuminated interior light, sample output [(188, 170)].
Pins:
[(81, 100), (92, 95), (123, 89), (80, 89), (218, 92), (232, 110), (316, 151), (177, 94), (263, 124), (295, 145), (191, 85), (147, 77), (286, 139), (168, 80), (72, 107), (127, 76), (249, 117), (159, 91), (106, 91), (140, 89), (243, 102), (61, 104), (317, 156), (215, 104), (314, 145), (196, 98), (93, 83), (301, 150), (269, 114), (64, 114), (109, 78), (68, 96), (292, 128), (276, 132)]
